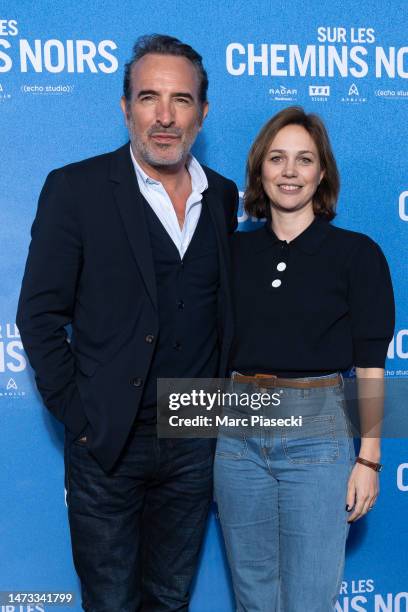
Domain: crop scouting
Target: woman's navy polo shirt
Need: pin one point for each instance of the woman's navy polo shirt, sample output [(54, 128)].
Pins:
[(321, 303)]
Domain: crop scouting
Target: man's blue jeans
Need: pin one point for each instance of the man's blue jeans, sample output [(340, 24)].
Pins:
[(136, 532), (281, 496)]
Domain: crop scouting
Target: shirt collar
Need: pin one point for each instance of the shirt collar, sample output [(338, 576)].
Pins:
[(309, 240), (199, 182)]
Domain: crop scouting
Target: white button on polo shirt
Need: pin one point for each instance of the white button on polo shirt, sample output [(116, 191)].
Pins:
[(276, 283), (281, 266)]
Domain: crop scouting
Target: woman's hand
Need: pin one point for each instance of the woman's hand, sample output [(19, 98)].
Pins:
[(363, 485), (362, 491)]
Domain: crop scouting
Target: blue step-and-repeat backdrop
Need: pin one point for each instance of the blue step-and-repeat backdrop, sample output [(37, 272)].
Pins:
[(60, 83)]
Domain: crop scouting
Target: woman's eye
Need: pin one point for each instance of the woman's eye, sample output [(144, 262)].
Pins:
[(276, 158), (306, 160)]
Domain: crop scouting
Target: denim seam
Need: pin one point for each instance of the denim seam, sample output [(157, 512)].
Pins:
[(340, 565), (348, 433), (231, 455), (329, 419)]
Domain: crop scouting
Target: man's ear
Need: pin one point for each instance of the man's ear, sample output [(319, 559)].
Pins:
[(124, 107), (204, 113)]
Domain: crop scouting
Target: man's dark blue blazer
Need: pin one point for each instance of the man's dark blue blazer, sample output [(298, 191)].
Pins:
[(90, 264)]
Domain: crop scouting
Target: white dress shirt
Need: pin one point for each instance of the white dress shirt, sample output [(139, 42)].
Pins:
[(158, 199)]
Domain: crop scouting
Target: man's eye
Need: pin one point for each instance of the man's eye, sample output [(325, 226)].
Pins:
[(146, 98), (183, 100)]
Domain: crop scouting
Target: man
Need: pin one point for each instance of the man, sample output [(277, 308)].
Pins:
[(131, 248)]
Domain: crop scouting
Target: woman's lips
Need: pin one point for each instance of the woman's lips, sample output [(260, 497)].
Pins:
[(289, 188)]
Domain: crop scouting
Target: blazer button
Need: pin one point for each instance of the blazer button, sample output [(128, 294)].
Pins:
[(149, 339), (136, 382)]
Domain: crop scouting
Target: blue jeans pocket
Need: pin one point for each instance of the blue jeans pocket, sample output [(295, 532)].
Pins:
[(231, 446), (314, 442)]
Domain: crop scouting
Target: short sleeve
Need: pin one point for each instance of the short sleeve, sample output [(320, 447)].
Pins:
[(371, 302)]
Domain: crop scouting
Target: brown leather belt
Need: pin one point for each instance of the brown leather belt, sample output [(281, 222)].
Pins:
[(272, 381)]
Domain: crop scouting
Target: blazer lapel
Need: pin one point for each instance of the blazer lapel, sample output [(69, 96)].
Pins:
[(130, 203), (216, 208)]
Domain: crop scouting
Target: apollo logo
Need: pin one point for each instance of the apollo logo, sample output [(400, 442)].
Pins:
[(353, 91), (402, 206), (11, 384), (398, 346)]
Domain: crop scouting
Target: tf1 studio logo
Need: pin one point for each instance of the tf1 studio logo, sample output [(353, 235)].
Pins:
[(319, 90)]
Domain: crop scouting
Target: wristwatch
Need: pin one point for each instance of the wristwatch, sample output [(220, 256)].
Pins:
[(377, 467)]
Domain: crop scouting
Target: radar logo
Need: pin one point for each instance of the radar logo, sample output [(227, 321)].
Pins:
[(283, 93)]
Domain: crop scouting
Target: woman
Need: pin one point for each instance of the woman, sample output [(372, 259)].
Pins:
[(311, 301)]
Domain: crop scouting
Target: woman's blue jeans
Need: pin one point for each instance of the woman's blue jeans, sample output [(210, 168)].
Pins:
[(281, 495)]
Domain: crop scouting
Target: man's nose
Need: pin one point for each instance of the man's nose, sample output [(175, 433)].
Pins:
[(165, 113)]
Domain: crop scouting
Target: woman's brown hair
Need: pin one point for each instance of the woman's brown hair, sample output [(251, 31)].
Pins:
[(324, 200)]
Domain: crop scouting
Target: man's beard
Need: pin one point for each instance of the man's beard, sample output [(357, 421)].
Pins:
[(153, 157)]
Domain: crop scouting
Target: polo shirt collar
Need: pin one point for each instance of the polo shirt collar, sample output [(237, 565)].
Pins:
[(310, 240)]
